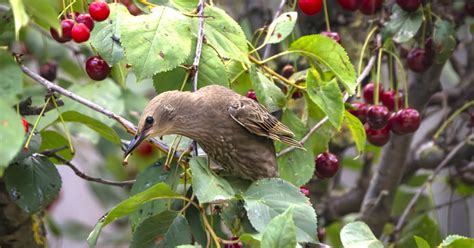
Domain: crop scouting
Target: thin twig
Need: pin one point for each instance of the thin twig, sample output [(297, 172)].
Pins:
[(361, 77), (89, 178), (124, 122), (429, 180), (266, 53), (199, 42)]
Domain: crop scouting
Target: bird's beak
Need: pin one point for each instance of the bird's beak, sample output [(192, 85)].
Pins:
[(137, 140)]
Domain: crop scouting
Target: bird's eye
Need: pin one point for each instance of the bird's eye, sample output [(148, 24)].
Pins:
[(149, 120)]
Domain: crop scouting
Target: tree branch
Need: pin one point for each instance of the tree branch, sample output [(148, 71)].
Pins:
[(25, 107), (199, 42), (364, 74)]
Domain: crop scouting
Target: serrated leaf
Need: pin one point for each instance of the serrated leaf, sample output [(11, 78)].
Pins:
[(457, 241), (12, 78), (105, 37), (358, 235), (33, 183), (281, 27), (357, 130), (444, 40), (224, 34), (328, 97), (53, 140), (19, 13), (267, 198), (268, 94), (280, 231), (207, 186), (297, 166), (43, 12), (404, 25), (329, 53), (158, 191), (11, 133), (164, 37), (101, 128)]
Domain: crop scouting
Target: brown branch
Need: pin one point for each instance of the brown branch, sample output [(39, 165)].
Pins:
[(313, 129), (89, 178), (25, 107)]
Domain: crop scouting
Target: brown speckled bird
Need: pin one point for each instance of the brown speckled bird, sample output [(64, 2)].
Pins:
[(236, 132)]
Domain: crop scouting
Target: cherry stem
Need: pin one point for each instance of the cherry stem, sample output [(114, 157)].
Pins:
[(364, 47), (377, 82), (27, 143), (423, 30), (451, 118), (326, 16), (402, 71), (66, 130)]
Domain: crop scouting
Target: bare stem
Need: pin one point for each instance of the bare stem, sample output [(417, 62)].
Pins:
[(266, 52)]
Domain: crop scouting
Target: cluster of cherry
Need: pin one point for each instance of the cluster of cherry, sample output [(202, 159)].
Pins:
[(379, 120)]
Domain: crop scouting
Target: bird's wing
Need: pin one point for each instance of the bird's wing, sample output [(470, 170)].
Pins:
[(256, 119)]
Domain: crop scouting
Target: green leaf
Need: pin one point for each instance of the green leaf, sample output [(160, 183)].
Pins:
[(158, 191), (330, 54), (164, 37), (267, 198), (457, 241), (119, 73), (43, 12), (280, 231), (297, 166), (177, 234), (21, 18), (105, 37), (185, 5), (33, 183), (104, 130), (12, 78), (404, 25), (421, 243), (52, 140), (281, 27), (422, 226), (11, 133), (224, 34), (444, 39), (268, 94), (251, 240), (208, 186), (357, 130), (358, 235), (239, 77), (319, 140), (328, 97)]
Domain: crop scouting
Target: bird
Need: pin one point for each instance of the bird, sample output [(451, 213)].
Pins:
[(235, 132)]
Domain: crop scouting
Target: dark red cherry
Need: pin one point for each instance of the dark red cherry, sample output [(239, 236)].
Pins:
[(377, 137), (251, 94), (297, 94), (359, 111), (370, 7), (333, 35), (234, 245), (49, 71), (409, 5), (86, 19), (310, 7), (377, 116), (66, 27), (469, 7), (349, 5), (97, 68), (405, 121), (327, 165), (419, 60), (388, 99), (80, 33), (287, 71), (99, 10), (145, 149), (304, 190), (368, 92)]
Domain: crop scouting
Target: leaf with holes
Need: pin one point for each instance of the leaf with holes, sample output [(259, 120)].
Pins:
[(281, 27)]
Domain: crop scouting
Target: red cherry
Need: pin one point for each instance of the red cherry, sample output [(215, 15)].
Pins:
[(26, 126), (97, 68), (99, 10), (251, 94), (86, 19), (377, 116), (405, 121), (48, 71), (333, 35), (359, 111), (349, 5), (377, 137), (370, 7), (469, 7), (66, 27), (310, 7), (368, 92), (305, 191), (388, 99), (235, 245), (297, 94), (327, 165), (145, 149), (418, 60), (287, 71), (409, 5), (80, 33)]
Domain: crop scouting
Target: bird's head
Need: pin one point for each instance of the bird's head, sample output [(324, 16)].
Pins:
[(157, 119)]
